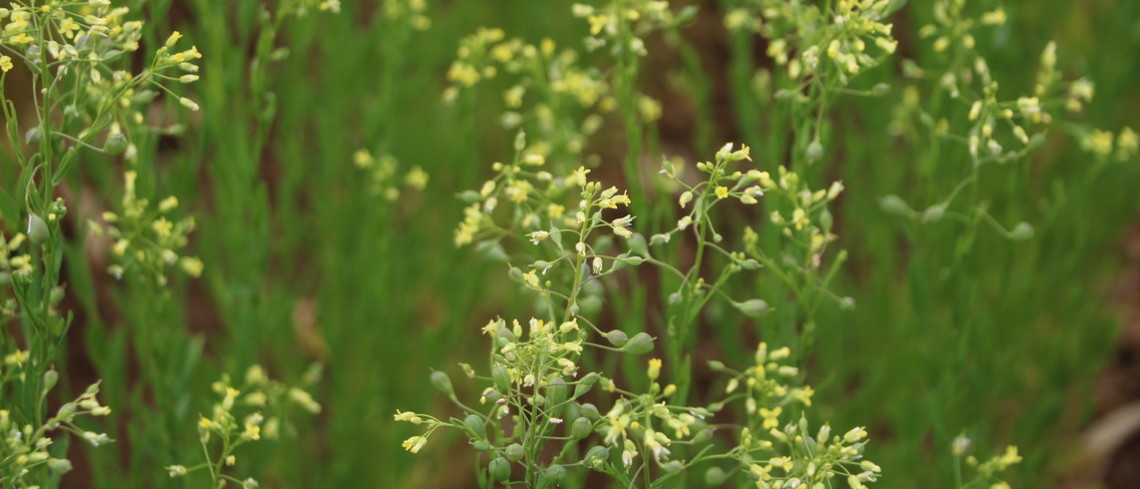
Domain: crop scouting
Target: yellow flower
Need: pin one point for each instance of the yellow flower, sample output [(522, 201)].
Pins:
[(5, 63), (654, 369), (771, 417), (415, 443), (721, 192)]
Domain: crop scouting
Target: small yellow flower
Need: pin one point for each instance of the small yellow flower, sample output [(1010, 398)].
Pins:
[(1101, 142), (417, 178), (415, 443), (654, 369), (771, 417), (721, 192), (5, 63)]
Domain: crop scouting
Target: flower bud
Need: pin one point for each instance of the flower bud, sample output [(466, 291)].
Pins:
[(115, 144)]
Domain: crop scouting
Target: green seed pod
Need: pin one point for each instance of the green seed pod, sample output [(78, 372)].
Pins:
[(637, 245), (516, 275), (442, 382), (38, 232), (555, 394), (640, 344), (514, 452), (476, 424), (715, 476), (59, 465), (50, 379), (703, 436), (500, 469), (1023, 232), (585, 384), (893, 204), (552, 476), (752, 308), (590, 411), (115, 144), (501, 378), (481, 445), (581, 428), (815, 150), (596, 456), (673, 467), (506, 334), (33, 136), (617, 338), (934, 213), (56, 295)]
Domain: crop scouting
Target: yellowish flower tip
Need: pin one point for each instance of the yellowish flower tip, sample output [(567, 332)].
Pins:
[(721, 192), (1010, 456), (960, 445), (192, 266), (362, 158), (417, 178), (994, 17), (415, 443), (174, 37), (771, 417), (1101, 142), (252, 431), (654, 369), (5, 63), (189, 104), (305, 400), (167, 204)]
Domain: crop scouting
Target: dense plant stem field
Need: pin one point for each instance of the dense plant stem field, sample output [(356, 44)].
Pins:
[(606, 243)]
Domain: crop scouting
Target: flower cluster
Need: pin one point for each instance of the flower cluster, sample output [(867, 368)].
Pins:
[(26, 451), (254, 412), (540, 206), (412, 12), (87, 41), (535, 390), (146, 237), (549, 96), (301, 8), (988, 472), (800, 213), (383, 174), (623, 25), (814, 42), (13, 263), (537, 377)]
